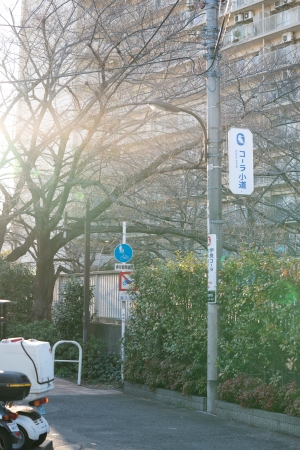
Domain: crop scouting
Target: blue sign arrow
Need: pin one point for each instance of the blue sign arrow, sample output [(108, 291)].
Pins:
[(123, 253)]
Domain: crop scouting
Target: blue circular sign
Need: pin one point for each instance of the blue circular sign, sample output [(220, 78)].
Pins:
[(123, 253)]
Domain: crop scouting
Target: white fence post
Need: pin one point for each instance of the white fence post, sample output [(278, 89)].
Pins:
[(79, 360)]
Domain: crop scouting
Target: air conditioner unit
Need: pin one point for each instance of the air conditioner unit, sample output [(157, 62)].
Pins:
[(238, 18), (287, 2), (248, 15), (278, 4), (287, 37), (190, 4)]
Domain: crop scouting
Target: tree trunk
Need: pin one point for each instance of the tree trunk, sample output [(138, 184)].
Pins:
[(45, 280)]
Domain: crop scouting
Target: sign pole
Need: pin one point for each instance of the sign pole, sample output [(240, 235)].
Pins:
[(124, 233), (123, 314)]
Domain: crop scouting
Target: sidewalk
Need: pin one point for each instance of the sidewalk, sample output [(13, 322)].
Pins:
[(62, 388), (83, 418)]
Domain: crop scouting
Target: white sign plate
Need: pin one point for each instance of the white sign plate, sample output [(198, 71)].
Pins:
[(124, 296), (124, 267), (240, 157), (212, 262)]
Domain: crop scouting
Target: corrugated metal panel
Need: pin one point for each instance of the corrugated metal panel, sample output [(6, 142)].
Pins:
[(106, 302)]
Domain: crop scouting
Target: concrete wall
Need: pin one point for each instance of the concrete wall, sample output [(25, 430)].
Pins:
[(281, 423), (110, 333), (173, 397)]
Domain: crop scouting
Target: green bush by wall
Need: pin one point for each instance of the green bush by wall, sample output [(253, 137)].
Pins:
[(165, 343), (259, 322), (260, 317)]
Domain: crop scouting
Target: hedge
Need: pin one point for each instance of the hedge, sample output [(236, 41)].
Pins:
[(165, 341)]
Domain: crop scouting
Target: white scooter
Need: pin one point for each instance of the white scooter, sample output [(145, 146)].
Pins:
[(32, 425), (34, 359), (22, 426)]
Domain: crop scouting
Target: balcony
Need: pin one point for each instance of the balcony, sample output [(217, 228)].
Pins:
[(239, 4), (269, 25), (280, 58)]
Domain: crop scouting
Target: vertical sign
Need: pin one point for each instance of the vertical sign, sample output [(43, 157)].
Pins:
[(240, 156), (212, 267), (124, 284)]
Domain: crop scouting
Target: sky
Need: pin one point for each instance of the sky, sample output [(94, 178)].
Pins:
[(6, 174), (14, 5)]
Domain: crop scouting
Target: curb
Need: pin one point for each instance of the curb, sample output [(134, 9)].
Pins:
[(271, 421), (166, 396), (69, 447)]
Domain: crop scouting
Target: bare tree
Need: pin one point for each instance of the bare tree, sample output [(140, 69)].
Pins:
[(261, 92), (72, 74)]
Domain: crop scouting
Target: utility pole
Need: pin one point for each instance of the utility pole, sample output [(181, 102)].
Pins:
[(214, 186), (86, 282)]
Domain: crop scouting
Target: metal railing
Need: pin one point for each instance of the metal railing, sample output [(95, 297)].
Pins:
[(279, 58), (79, 360), (277, 22), (238, 4)]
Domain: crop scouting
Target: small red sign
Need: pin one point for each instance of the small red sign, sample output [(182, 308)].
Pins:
[(124, 281)]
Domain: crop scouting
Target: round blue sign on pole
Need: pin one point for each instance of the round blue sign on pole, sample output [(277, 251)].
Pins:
[(123, 253)]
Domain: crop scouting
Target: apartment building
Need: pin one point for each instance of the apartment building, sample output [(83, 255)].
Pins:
[(262, 25)]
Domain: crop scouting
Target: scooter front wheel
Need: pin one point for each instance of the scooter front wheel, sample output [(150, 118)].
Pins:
[(5, 440), (40, 439), (24, 443)]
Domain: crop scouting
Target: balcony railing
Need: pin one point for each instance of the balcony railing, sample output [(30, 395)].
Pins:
[(277, 22), (278, 59), (238, 4)]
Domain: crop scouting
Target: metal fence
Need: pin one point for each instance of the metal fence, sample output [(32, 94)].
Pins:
[(105, 303)]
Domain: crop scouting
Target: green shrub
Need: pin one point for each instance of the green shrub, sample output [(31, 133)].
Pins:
[(97, 364), (254, 393), (260, 316), (42, 331), (165, 342), (67, 313), (17, 284)]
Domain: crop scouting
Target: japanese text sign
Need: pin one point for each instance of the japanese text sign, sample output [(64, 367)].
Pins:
[(212, 262), (240, 156)]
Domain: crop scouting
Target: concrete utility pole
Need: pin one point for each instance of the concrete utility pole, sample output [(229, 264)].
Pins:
[(214, 185)]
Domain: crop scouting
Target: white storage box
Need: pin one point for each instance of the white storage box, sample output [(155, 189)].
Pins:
[(31, 357)]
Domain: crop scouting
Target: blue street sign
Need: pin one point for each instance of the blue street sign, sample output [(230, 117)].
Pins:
[(123, 253)]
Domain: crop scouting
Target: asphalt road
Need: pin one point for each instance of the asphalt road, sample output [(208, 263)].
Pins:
[(82, 418)]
